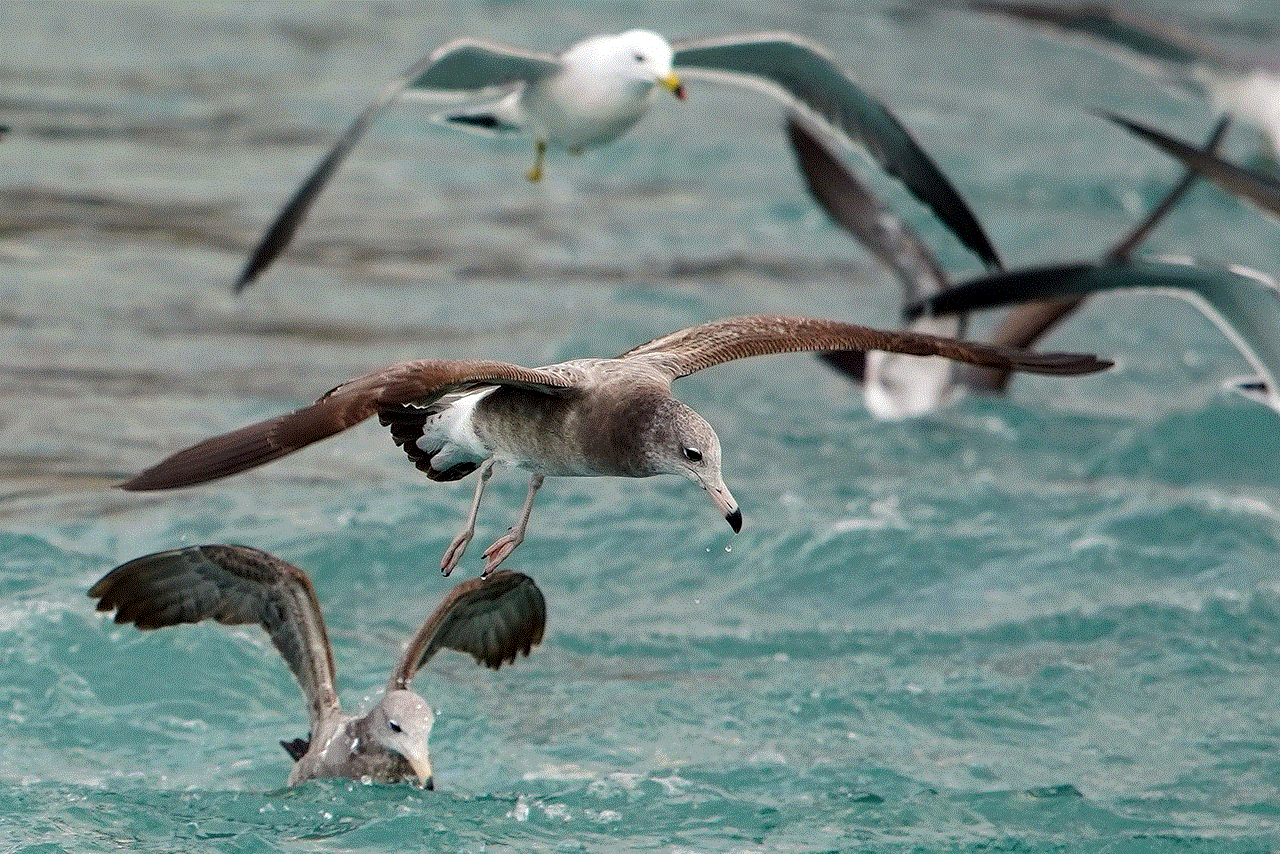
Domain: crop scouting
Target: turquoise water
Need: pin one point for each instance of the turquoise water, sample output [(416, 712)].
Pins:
[(1044, 623)]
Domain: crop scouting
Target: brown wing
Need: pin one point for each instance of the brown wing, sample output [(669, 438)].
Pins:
[(689, 350), (418, 382), (493, 618), (232, 585)]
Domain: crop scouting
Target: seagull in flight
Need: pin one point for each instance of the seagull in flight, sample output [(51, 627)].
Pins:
[(599, 88), (580, 418)]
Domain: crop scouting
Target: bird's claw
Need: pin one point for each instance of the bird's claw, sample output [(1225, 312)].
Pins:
[(499, 551), (454, 553)]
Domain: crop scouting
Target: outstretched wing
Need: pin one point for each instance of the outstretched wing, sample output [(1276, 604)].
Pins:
[(493, 618), (854, 208), (232, 585), (688, 350), (1243, 304), (462, 65), (418, 382), (803, 75), (1257, 187), (473, 65), (1028, 322), (1114, 27)]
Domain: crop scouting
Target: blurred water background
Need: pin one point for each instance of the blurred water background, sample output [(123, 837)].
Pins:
[(1043, 623)]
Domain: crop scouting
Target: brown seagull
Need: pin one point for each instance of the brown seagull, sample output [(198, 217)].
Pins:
[(494, 619), (585, 417)]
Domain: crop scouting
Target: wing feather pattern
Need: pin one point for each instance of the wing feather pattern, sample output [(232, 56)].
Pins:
[(690, 350), (233, 585), (420, 382), (494, 619)]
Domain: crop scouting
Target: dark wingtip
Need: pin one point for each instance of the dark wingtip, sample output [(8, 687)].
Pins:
[(273, 242), (1068, 364), (296, 748), (247, 278)]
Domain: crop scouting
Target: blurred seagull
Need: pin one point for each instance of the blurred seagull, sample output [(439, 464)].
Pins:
[(1243, 304), (600, 87), (585, 417), (1253, 185), (894, 385), (493, 619), (1242, 85), (905, 386)]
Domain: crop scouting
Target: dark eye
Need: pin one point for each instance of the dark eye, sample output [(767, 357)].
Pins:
[(395, 727), (639, 57), (693, 455)]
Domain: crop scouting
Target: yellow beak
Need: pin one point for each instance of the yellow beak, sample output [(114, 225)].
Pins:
[(672, 82)]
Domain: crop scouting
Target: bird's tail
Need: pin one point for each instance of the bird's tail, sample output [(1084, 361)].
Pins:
[(408, 426)]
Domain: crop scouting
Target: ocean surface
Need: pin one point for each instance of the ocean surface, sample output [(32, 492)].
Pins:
[(1043, 623)]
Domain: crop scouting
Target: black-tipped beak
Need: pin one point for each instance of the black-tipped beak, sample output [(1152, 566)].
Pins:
[(735, 519), (430, 785), (673, 84)]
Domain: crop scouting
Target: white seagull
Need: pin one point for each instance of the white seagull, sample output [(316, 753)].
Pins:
[(600, 87)]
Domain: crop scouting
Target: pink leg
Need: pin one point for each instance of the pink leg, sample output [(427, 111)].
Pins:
[(459, 544), (507, 543)]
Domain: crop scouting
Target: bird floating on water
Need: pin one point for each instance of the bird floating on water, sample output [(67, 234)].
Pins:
[(493, 619), (600, 87), (585, 417)]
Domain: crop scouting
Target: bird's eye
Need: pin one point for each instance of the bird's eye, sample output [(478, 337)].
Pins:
[(395, 727), (639, 57), (693, 455)]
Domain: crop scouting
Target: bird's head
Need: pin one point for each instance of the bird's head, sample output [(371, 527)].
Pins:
[(677, 440), (401, 723), (648, 59)]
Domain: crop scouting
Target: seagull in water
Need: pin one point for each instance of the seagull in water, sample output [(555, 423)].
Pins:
[(1243, 304), (494, 619), (600, 87), (586, 417)]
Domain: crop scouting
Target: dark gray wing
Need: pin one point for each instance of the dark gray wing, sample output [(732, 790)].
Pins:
[(1255, 186), (1147, 34), (232, 585), (688, 350), (419, 382), (1243, 304), (494, 619), (853, 207), (1025, 324), (462, 65), (803, 75)]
